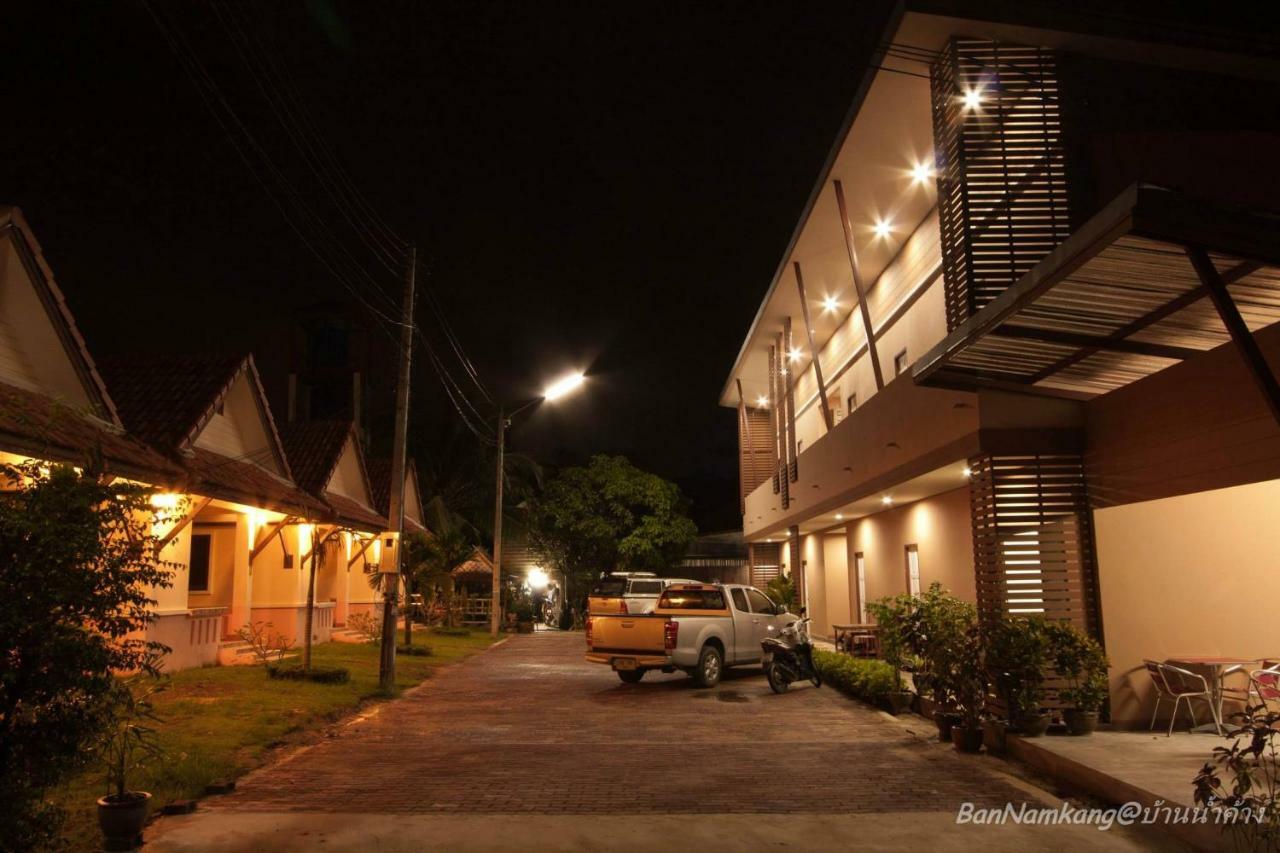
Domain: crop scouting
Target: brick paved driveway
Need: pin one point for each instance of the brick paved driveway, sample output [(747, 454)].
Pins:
[(528, 728), (531, 727)]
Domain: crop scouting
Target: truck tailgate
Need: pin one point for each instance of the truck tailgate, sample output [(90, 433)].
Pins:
[(641, 634)]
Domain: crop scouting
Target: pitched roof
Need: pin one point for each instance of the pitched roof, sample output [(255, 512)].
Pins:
[(166, 399), (479, 564), (13, 223), (36, 426), (380, 484), (314, 449), (226, 478)]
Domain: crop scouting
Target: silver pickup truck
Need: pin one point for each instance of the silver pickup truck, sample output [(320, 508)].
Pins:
[(700, 628)]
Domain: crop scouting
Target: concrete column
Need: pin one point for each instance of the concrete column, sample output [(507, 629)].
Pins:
[(242, 576)]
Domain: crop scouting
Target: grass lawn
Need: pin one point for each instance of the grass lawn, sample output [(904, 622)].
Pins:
[(219, 722)]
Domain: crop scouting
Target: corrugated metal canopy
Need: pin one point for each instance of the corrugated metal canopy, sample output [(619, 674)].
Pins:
[(1118, 300)]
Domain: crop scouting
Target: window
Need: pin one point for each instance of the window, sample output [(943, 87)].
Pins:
[(860, 569), (760, 602), (853, 402), (913, 569), (692, 599), (833, 403), (198, 579), (900, 363), (646, 587), (610, 587), (739, 601)]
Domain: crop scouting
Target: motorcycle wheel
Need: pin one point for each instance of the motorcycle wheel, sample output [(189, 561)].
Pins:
[(816, 678), (777, 680)]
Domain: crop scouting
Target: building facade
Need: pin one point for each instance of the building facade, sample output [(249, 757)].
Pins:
[(1019, 342)]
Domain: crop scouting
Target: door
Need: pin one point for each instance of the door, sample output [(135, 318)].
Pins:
[(764, 622), (745, 645), (860, 578), (913, 570)]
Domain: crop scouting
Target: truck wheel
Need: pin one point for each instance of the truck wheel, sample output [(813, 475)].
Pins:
[(631, 676), (710, 665)]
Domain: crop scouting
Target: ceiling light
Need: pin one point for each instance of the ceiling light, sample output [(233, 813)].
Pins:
[(762, 401), (972, 99), (794, 354), (922, 173), (830, 304), (883, 227), (886, 500), (968, 472), (839, 516)]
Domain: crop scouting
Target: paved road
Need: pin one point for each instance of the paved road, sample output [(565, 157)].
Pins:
[(527, 745)]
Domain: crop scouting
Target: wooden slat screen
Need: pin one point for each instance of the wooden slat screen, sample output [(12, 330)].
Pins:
[(755, 450), (766, 563), (1033, 542), (1001, 173), (788, 381)]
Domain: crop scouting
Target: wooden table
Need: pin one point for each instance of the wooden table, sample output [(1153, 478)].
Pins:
[(865, 636), (1217, 666)]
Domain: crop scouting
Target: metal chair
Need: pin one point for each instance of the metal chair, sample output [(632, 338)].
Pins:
[(1176, 684), (1264, 685)]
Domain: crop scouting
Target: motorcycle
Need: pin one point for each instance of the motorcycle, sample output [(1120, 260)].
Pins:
[(788, 657)]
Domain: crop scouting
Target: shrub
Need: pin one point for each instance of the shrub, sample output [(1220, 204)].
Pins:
[(869, 680), (1017, 653), (1244, 780), (782, 589), (268, 646), (414, 651), (318, 674), (1080, 659), (367, 625)]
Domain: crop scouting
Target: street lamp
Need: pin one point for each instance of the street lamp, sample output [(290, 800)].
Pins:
[(554, 391)]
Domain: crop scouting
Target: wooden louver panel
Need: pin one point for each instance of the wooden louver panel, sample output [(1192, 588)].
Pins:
[(766, 563), (755, 451), (1033, 538), (1001, 175)]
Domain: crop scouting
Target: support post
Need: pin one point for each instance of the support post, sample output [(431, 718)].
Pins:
[(1240, 334), (813, 350), (494, 608), (858, 287), (399, 453)]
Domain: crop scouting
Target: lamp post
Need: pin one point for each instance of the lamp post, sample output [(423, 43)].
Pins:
[(558, 389)]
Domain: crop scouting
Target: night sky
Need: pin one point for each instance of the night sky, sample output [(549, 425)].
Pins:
[(602, 186)]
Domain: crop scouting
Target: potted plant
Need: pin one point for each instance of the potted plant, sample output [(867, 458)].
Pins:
[(936, 628), (892, 615), (524, 616), (1081, 661), (1017, 653), (128, 742), (969, 674)]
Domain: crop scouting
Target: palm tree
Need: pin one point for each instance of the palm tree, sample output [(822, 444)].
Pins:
[(429, 561)]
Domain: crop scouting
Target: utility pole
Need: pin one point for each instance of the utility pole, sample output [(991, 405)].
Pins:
[(399, 452), (494, 606)]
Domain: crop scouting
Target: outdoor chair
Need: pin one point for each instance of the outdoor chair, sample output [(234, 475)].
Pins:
[(1175, 684), (1264, 686)]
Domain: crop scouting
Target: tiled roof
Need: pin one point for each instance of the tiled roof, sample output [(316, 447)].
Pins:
[(313, 450), (165, 400), (479, 564), (355, 514), (380, 484), (231, 479), (36, 426)]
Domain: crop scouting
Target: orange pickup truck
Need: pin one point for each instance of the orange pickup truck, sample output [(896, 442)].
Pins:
[(696, 627)]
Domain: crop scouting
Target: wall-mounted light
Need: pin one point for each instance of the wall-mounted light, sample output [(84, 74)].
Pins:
[(886, 500), (830, 304), (794, 354), (972, 98), (968, 472)]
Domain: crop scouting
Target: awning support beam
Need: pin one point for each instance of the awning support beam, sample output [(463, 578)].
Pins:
[(1096, 343), (1239, 331), (813, 350), (857, 286)]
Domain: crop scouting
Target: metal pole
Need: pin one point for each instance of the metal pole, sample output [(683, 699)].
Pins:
[(494, 605), (399, 452)]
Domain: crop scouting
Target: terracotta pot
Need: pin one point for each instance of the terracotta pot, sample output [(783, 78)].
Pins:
[(899, 702), (1080, 722), (967, 740), (1033, 725), (524, 627), (121, 822), (995, 735)]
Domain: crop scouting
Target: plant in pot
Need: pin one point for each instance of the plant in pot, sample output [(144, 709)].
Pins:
[(128, 743), (524, 616), (1017, 653), (893, 616), (969, 674), (1081, 661), (937, 627)]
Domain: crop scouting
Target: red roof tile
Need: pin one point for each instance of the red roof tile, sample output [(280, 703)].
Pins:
[(314, 449), (165, 400)]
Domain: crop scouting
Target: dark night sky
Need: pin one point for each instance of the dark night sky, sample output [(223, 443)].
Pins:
[(607, 186)]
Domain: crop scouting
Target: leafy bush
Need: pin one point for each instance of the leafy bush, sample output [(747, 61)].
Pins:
[(939, 634), (1081, 660), (866, 679), (367, 625), (782, 589), (414, 651), (78, 561), (894, 616), (1251, 789), (318, 674), (1017, 653), (268, 645)]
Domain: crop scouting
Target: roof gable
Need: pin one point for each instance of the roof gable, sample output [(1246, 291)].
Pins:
[(41, 349)]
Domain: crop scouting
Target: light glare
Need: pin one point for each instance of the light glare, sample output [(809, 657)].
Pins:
[(564, 386), (972, 99), (762, 401), (538, 579), (922, 173), (830, 304), (886, 500), (794, 355), (883, 227)]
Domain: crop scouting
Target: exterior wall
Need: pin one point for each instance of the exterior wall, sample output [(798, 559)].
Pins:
[(813, 554), (1186, 575), (240, 430), (192, 636), (347, 479), (939, 526), (835, 563)]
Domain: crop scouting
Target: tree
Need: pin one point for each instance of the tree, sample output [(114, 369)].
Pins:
[(607, 516), (429, 561), (78, 555)]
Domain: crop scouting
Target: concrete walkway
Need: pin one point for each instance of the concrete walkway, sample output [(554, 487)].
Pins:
[(528, 746)]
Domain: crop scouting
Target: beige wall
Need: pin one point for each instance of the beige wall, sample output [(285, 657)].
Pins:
[(835, 562), (939, 526), (1194, 574), (814, 557)]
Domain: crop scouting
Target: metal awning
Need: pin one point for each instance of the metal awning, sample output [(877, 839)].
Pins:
[(1154, 278)]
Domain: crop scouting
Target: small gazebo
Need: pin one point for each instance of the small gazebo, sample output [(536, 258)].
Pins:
[(473, 580)]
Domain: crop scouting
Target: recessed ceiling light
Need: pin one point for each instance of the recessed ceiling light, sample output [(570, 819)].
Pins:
[(886, 500), (972, 99), (762, 401), (839, 516), (794, 354), (830, 304), (968, 472), (922, 173), (883, 227)]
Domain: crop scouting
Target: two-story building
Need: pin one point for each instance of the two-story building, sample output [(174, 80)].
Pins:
[(1020, 341)]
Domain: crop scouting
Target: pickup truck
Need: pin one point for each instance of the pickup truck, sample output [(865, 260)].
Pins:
[(635, 592), (700, 628)]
